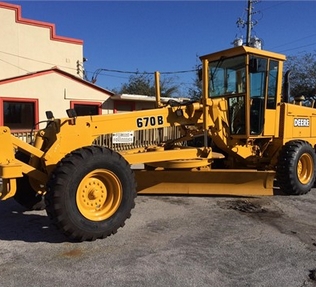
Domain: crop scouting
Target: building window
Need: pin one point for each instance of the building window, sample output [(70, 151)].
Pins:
[(123, 106), (86, 108), (18, 113)]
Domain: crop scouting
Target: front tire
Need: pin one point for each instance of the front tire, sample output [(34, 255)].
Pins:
[(91, 193), (296, 167)]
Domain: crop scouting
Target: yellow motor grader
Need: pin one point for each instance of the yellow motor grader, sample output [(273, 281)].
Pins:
[(255, 141)]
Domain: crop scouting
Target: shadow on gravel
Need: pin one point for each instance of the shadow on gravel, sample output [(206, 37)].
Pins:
[(19, 224), (312, 275)]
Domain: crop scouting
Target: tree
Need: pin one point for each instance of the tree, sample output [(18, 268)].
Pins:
[(303, 74), (138, 84), (143, 84), (195, 92)]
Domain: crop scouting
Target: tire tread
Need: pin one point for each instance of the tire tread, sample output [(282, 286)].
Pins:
[(60, 178)]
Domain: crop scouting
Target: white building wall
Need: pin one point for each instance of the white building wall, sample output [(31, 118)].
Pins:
[(29, 45), (55, 92)]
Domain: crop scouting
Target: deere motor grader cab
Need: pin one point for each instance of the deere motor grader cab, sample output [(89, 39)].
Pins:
[(255, 141)]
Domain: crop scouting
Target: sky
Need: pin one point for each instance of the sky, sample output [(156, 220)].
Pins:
[(169, 36)]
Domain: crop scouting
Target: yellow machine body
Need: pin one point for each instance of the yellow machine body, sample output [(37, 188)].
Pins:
[(211, 117), (245, 136)]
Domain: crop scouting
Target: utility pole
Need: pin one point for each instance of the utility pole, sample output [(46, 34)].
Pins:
[(251, 40), (249, 22)]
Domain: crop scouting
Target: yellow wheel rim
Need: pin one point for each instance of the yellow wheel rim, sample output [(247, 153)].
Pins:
[(99, 195), (305, 168)]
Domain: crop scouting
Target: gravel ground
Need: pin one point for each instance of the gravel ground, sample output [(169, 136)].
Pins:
[(170, 241)]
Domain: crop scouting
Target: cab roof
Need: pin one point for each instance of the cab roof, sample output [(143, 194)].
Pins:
[(242, 50)]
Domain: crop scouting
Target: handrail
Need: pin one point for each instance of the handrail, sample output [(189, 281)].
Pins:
[(142, 138)]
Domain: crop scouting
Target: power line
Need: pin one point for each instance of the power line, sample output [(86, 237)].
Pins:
[(98, 72), (101, 69), (291, 42), (35, 60), (276, 4), (298, 40), (14, 65), (145, 73), (307, 45)]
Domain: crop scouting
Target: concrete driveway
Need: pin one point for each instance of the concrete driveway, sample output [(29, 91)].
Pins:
[(170, 241)]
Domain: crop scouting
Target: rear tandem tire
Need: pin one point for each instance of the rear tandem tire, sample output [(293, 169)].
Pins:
[(296, 171), (91, 193)]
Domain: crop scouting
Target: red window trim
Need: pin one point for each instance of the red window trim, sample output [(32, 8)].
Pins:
[(26, 100), (73, 103)]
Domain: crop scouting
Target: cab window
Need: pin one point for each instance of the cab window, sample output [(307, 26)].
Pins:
[(227, 76), (272, 84)]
